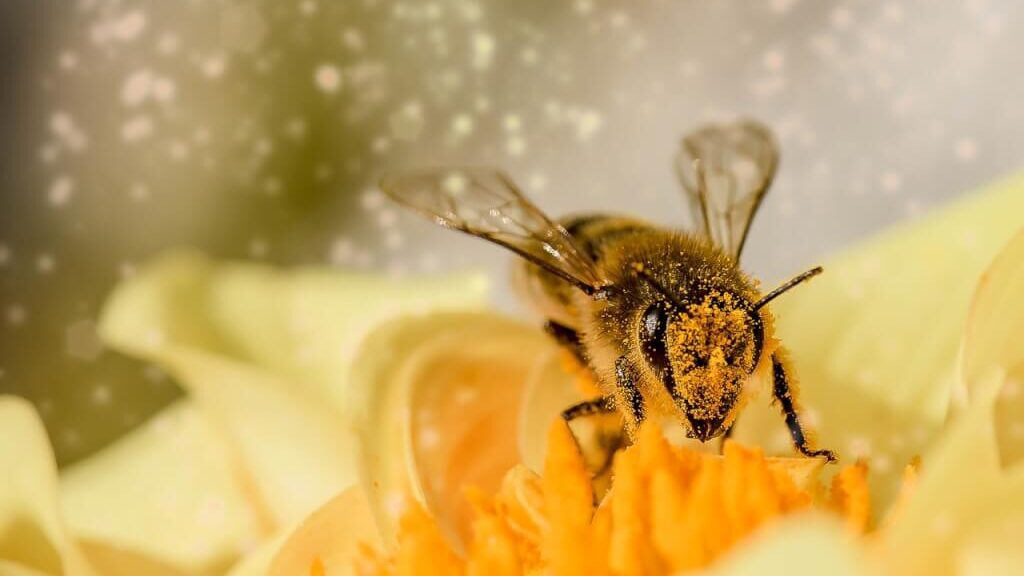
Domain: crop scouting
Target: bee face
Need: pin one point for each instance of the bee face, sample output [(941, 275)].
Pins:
[(702, 354)]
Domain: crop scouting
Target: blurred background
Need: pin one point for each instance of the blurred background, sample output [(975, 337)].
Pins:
[(256, 129)]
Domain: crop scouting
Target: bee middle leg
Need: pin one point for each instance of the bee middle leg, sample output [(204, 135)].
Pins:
[(783, 393), (568, 338)]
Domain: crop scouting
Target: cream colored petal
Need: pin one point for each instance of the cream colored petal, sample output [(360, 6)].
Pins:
[(442, 394), (33, 538), (961, 496), (993, 343), (303, 324), (874, 340), (550, 389), (265, 354), (330, 538), (257, 563), (800, 545), (168, 491)]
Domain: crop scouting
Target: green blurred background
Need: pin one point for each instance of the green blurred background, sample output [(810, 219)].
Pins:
[(256, 130)]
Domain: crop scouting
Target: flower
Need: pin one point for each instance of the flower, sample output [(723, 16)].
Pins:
[(876, 342), (214, 482), (316, 403)]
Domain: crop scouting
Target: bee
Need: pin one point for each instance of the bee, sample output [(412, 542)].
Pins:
[(665, 319)]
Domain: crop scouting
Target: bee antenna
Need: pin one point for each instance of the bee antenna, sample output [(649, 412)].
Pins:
[(785, 287), (643, 273)]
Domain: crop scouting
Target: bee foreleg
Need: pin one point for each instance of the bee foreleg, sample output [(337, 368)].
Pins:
[(602, 405), (567, 337), (625, 377), (784, 395)]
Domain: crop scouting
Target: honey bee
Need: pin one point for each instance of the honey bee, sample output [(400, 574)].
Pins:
[(665, 319)]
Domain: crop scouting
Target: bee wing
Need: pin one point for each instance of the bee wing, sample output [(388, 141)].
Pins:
[(726, 170), (487, 204)]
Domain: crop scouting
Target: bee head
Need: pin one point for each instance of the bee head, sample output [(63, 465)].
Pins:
[(703, 353)]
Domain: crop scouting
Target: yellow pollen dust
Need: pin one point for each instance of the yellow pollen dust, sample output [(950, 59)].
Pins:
[(670, 509), (711, 354)]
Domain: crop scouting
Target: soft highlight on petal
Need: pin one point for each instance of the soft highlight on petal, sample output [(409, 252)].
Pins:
[(875, 338), (33, 537)]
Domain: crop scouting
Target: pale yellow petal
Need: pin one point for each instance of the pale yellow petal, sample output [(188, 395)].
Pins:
[(257, 562), (436, 401), (993, 343), (875, 339), (304, 324), (169, 490), (330, 538), (994, 550), (265, 354), (807, 544), (550, 389), (961, 493), (33, 537)]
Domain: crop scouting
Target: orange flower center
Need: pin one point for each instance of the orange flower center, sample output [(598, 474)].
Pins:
[(670, 509)]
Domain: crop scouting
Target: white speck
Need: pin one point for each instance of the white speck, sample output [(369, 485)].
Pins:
[(353, 40), (178, 150), (512, 122), (859, 447), (841, 18), (588, 122), (892, 13), (45, 263), (386, 218), (891, 181), (515, 146), (129, 26), (395, 505), (139, 192), (372, 200), (16, 315), (136, 128), (462, 124), (214, 66), (341, 251), (774, 60), (101, 395), (483, 46), (48, 153), (328, 78), (61, 191), (465, 396), (136, 88), (68, 60), (942, 524), (394, 239), (429, 438), (407, 122), (537, 182), (1010, 390), (168, 44), (308, 7), (258, 248), (781, 6), (82, 341), (164, 90), (965, 149), (583, 7), (380, 144), (295, 128), (455, 184), (5, 254)]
